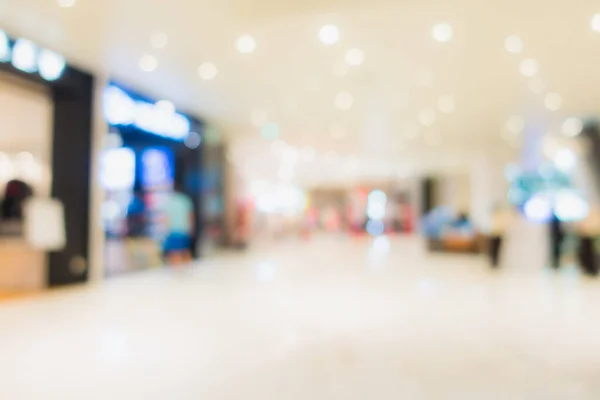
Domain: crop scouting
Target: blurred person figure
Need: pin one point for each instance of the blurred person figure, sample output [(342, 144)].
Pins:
[(241, 229), (557, 237), (462, 223), (589, 230), (179, 212), (501, 219), (16, 193), (137, 215)]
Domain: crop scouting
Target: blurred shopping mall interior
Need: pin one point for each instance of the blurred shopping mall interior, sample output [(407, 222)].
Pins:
[(299, 199)]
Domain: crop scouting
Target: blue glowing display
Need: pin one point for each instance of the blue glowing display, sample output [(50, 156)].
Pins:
[(156, 118), (25, 56)]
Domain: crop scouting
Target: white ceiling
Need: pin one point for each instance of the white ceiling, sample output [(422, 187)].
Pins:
[(295, 78)]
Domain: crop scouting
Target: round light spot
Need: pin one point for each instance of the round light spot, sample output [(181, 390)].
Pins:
[(207, 71), (25, 55), (442, 32), (515, 124), (565, 160), (355, 57), (595, 23), (329, 34), (148, 63), (193, 140), (66, 3), (538, 208), (529, 67), (427, 117), (51, 65), (246, 44), (553, 101), (513, 44), (270, 131), (159, 40), (344, 101), (570, 206), (572, 127), (446, 104)]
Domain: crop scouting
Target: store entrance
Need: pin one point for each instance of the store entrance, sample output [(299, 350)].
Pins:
[(139, 179), (25, 151)]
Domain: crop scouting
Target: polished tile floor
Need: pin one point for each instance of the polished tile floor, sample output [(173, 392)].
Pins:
[(333, 318)]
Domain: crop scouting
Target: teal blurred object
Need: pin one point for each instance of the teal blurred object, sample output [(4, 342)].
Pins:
[(547, 179)]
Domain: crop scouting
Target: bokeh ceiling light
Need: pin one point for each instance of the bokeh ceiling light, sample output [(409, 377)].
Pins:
[(529, 67), (246, 44), (66, 3), (355, 57), (148, 63), (565, 160), (51, 65), (572, 127), (427, 117), (513, 44), (159, 40), (595, 23), (344, 101), (207, 71), (442, 32), (446, 104), (553, 101), (24, 56), (329, 35), (515, 124)]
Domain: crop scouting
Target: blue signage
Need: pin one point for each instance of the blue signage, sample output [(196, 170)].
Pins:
[(160, 118)]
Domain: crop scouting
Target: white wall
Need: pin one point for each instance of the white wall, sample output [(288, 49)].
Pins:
[(25, 134)]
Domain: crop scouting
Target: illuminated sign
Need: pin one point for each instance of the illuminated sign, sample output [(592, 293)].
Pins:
[(117, 169), (157, 118), (25, 56), (157, 169)]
